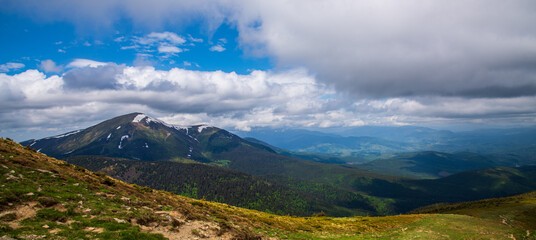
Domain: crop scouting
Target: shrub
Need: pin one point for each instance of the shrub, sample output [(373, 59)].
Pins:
[(47, 201)]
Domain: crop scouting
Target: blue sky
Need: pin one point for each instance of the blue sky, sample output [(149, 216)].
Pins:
[(242, 64), (29, 42)]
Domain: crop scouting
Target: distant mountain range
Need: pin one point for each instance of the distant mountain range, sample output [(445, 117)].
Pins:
[(431, 164), (361, 144)]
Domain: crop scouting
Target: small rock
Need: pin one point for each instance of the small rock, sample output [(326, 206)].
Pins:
[(39, 189), (44, 171), (87, 210), (46, 226), (5, 237), (76, 184), (30, 194), (12, 171), (119, 220), (4, 166)]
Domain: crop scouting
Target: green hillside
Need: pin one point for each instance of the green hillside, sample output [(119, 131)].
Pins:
[(43, 198), (432, 164), (517, 211), (201, 181)]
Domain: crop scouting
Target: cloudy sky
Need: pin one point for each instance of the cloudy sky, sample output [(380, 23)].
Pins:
[(240, 64)]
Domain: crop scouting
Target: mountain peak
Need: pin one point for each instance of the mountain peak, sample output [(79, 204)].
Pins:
[(141, 137)]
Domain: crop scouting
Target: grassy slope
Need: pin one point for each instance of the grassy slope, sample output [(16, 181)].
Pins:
[(48, 198), (517, 211)]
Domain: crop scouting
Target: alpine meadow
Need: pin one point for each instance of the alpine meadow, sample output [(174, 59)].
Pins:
[(243, 120)]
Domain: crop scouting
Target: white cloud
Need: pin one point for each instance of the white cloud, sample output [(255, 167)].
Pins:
[(168, 49), (50, 66), (291, 98), (196, 40), (80, 63), (217, 48), (162, 37), (376, 49), (119, 39), (7, 67), (400, 48)]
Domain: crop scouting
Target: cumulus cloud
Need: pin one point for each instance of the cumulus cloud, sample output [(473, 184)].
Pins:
[(217, 94), (7, 67), (50, 66), (92, 77), (401, 48), (291, 98)]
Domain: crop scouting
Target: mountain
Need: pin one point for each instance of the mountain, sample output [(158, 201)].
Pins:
[(138, 136), (465, 186), (44, 198), (431, 164)]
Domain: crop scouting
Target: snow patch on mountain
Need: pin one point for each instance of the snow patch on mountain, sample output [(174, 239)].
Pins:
[(200, 128), (139, 117), (109, 136), (66, 134), (121, 142), (118, 128)]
